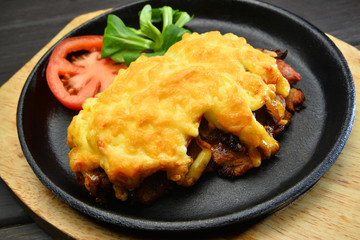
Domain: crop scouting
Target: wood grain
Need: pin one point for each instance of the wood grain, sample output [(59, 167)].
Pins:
[(330, 210), (28, 231)]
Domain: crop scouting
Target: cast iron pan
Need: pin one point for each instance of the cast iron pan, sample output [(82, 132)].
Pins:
[(309, 147)]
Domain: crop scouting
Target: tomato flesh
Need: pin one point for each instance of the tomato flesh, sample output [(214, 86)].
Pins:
[(73, 81)]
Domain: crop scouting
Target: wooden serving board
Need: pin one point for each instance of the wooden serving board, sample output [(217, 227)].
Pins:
[(330, 210)]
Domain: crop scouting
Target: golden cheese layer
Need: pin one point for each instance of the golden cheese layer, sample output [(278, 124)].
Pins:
[(141, 123)]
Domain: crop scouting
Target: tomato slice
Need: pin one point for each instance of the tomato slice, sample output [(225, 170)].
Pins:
[(76, 70)]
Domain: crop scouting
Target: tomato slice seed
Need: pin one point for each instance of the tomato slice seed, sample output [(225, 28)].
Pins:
[(76, 70)]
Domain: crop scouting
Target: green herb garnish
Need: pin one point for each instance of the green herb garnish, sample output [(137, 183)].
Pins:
[(126, 44)]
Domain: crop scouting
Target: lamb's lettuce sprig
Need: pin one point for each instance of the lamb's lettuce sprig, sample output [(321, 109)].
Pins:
[(126, 44)]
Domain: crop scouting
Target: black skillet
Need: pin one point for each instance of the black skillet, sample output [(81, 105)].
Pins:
[(309, 147)]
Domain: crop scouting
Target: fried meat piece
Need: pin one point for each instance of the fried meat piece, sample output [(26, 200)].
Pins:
[(288, 72), (229, 157), (96, 182), (153, 188), (99, 186), (294, 100), (230, 163)]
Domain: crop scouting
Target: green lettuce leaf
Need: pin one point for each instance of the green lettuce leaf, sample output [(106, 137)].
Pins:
[(126, 44)]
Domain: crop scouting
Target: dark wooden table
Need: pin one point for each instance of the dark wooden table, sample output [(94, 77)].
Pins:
[(26, 26)]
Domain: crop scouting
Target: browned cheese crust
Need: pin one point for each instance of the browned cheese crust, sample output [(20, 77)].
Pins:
[(212, 102)]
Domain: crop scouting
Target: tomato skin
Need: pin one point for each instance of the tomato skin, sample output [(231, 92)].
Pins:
[(73, 82)]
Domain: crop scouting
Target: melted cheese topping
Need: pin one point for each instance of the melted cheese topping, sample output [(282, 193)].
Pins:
[(141, 123)]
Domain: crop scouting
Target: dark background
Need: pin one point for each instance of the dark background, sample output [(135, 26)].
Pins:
[(27, 26)]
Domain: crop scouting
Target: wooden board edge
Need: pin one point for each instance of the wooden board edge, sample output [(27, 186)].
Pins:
[(82, 227)]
